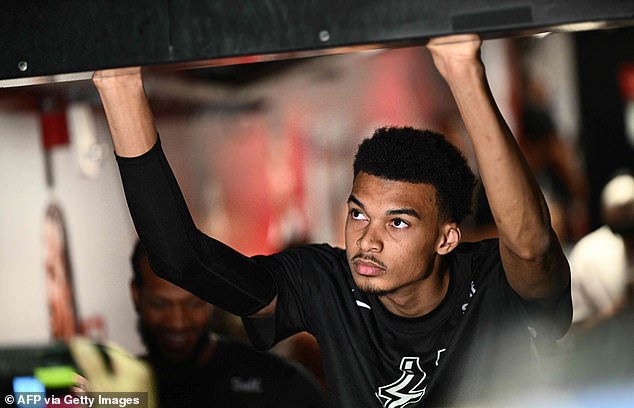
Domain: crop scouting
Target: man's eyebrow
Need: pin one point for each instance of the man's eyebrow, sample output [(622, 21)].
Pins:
[(398, 211), (355, 200), (405, 211)]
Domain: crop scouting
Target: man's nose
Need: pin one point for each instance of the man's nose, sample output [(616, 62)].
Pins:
[(176, 318), (371, 240)]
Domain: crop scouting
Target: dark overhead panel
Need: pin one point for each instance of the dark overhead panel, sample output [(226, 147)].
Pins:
[(49, 38)]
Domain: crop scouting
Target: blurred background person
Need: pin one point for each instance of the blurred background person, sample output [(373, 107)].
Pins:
[(598, 361), (195, 367), (602, 263)]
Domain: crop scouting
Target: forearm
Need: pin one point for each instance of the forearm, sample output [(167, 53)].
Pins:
[(531, 254), (178, 251), (127, 110), (516, 202)]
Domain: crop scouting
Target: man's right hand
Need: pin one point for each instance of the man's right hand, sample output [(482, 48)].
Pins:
[(127, 110), (454, 54), (117, 76)]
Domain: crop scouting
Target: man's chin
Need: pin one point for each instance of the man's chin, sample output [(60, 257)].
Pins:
[(370, 288), (161, 351), (176, 356), (376, 292)]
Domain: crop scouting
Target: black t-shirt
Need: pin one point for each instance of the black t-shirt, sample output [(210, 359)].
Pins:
[(482, 338), (238, 376), (478, 341)]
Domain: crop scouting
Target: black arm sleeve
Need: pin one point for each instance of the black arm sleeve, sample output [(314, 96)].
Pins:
[(178, 251)]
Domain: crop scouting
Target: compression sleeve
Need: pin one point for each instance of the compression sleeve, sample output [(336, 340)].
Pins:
[(178, 251)]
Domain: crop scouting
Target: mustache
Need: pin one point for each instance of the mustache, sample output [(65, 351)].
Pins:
[(369, 258)]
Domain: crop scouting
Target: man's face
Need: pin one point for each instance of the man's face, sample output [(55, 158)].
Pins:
[(392, 234), (173, 322)]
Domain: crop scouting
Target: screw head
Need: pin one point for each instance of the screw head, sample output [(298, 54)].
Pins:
[(324, 35), (23, 66)]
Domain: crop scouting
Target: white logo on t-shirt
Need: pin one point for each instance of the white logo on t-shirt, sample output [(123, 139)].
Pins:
[(407, 389), (250, 385)]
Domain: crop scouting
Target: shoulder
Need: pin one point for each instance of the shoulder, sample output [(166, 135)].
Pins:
[(478, 265), (272, 375), (600, 251), (266, 360), (313, 256), (487, 250), (598, 241), (275, 368), (325, 251)]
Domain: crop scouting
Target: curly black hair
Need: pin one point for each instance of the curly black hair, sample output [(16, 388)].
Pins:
[(420, 156)]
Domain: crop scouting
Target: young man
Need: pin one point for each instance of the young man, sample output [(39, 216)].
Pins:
[(405, 316), (194, 368)]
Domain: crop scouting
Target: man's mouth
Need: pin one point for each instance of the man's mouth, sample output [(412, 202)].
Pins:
[(176, 340), (365, 267)]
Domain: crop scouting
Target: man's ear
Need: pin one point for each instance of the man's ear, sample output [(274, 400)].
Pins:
[(450, 238), (136, 296)]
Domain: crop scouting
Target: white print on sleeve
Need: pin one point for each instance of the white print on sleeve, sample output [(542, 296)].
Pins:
[(438, 355), (471, 293)]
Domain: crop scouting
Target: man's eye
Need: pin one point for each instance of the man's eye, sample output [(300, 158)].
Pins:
[(357, 215), (399, 223), (157, 304), (196, 304)]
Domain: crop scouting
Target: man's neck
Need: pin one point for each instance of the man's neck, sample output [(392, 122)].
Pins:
[(421, 297)]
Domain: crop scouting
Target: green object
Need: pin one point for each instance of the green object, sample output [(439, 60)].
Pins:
[(56, 376)]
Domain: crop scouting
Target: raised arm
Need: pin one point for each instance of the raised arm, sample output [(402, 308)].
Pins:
[(531, 254), (177, 250), (127, 110)]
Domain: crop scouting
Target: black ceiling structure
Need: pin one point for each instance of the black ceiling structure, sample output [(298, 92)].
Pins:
[(45, 38)]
